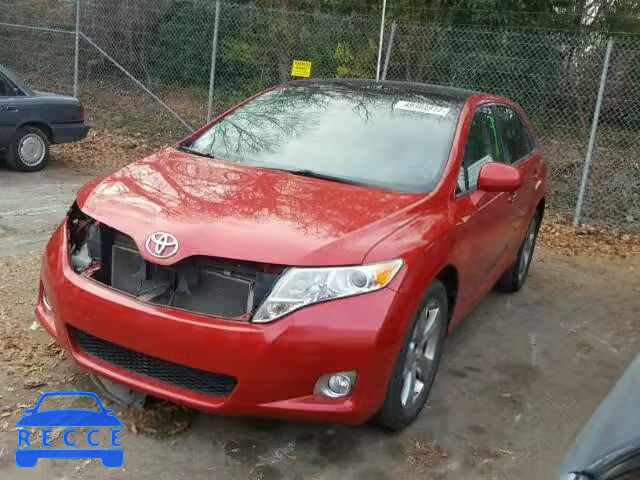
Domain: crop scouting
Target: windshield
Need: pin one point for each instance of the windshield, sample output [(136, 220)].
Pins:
[(378, 136)]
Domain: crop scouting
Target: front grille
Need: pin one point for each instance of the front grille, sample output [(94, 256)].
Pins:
[(197, 286), (208, 383), (219, 287), (217, 293), (128, 269)]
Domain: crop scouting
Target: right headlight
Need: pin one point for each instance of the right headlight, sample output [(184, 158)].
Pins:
[(300, 287)]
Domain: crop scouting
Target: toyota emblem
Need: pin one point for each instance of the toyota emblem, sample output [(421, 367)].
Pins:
[(162, 245)]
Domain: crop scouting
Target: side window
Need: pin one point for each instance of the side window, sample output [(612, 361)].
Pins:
[(516, 138), (482, 148), (5, 89)]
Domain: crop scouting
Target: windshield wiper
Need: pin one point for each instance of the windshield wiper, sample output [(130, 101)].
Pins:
[(184, 148), (301, 172), (323, 176)]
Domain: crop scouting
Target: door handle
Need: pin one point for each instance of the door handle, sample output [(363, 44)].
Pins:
[(8, 108)]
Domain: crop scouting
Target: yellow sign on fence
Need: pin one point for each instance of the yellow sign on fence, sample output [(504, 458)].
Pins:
[(301, 68)]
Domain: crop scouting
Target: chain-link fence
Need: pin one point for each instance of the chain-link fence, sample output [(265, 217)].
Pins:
[(613, 189), (37, 41), (555, 76), (158, 67), (168, 46)]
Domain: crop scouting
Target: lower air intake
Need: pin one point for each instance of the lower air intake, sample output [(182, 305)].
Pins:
[(214, 384)]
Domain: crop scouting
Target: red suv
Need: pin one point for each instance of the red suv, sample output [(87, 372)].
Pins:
[(304, 255)]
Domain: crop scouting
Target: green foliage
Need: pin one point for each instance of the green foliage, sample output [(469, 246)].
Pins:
[(549, 66), (355, 63), (182, 52), (259, 39)]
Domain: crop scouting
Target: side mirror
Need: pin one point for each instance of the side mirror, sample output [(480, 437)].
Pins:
[(499, 177)]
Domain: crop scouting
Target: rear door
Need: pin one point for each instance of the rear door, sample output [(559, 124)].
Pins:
[(520, 151), (8, 110), (483, 219)]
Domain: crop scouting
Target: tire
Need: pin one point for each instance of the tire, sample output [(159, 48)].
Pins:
[(28, 150), (403, 404), (513, 279)]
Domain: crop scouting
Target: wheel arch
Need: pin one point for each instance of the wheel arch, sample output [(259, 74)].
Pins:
[(449, 277), (540, 207), (39, 124)]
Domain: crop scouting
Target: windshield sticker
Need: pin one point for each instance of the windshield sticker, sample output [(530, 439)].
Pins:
[(422, 108)]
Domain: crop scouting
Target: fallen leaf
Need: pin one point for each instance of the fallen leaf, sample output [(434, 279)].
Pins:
[(34, 384)]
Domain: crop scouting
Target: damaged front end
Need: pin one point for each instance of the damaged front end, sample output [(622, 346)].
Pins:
[(231, 289)]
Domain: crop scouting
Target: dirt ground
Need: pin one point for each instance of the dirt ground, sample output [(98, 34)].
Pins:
[(519, 378)]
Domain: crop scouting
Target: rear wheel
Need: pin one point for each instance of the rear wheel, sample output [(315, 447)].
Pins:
[(514, 278), (418, 362), (28, 150)]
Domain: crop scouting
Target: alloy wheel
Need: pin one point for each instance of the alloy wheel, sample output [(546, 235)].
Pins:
[(32, 149), (527, 249), (420, 360)]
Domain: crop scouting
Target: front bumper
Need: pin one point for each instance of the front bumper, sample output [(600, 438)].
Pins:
[(276, 365)]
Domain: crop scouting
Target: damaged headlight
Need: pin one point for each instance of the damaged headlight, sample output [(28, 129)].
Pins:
[(84, 240), (300, 287)]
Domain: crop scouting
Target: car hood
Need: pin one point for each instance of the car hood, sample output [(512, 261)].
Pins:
[(69, 418), (227, 210)]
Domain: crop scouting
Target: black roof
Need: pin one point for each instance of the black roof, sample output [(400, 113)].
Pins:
[(453, 94)]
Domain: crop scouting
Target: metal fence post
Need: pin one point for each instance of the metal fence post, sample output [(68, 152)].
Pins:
[(382, 21), (214, 48), (592, 138), (392, 35), (76, 60)]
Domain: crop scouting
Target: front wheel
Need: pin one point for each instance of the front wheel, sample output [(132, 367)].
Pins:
[(513, 279), (418, 362)]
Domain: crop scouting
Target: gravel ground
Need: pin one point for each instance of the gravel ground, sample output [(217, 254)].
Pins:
[(519, 378)]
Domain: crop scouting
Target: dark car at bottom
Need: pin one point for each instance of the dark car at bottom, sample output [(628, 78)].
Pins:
[(304, 255), (608, 448), (30, 121)]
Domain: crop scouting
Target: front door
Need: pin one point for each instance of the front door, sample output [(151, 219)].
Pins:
[(484, 220)]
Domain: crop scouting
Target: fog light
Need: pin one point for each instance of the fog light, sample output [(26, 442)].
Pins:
[(339, 384), (336, 385), (46, 302)]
